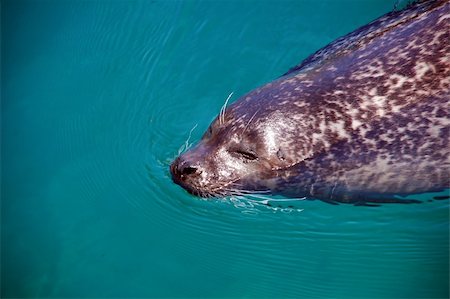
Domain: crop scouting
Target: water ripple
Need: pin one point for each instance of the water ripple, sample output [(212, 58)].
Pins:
[(147, 97)]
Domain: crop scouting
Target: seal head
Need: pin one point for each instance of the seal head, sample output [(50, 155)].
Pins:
[(365, 117), (237, 153)]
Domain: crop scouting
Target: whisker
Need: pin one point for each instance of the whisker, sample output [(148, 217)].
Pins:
[(186, 145), (237, 185), (228, 191), (265, 198), (239, 197), (189, 137), (284, 200), (255, 191), (222, 110), (252, 200), (260, 195), (245, 194), (251, 119)]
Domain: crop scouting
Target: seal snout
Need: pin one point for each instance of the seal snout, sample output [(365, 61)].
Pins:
[(186, 174), (181, 169)]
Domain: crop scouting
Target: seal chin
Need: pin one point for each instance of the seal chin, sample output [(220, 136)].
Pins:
[(203, 179)]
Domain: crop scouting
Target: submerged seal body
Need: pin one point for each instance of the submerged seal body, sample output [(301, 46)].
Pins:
[(361, 120)]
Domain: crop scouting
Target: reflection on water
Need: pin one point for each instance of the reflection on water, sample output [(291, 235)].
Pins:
[(97, 99)]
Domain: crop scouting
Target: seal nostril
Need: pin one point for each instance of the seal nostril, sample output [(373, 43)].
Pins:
[(180, 168), (188, 170)]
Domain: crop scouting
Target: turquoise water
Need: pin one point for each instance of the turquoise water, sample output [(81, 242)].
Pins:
[(98, 97)]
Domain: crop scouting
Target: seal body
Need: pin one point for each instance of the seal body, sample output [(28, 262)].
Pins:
[(361, 120)]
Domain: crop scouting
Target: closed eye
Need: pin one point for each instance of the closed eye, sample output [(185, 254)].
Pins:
[(247, 155)]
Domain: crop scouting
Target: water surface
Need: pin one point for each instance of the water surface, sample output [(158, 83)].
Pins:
[(98, 97)]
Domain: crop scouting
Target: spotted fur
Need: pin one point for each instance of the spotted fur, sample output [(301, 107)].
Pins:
[(366, 116)]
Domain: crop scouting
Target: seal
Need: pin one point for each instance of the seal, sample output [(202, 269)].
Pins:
[(362, 120)]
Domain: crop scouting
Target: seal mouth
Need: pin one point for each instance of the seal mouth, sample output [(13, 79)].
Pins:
[(197, 192), (185, 180), (188, 177)]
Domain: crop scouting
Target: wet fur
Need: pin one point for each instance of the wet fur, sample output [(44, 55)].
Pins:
[(361, 120)]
